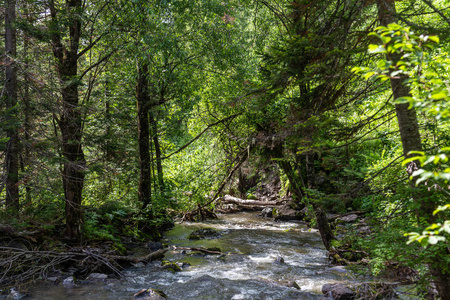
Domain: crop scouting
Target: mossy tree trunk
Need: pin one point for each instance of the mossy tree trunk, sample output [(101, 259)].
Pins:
[(70, 120)]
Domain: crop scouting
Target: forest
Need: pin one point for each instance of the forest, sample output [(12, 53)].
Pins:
[(119, 118)]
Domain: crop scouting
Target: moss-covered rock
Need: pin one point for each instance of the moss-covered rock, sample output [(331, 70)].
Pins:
[(171, 266)]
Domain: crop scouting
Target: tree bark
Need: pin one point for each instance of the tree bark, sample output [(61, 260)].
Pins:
[(12, 152), (159, 168), (70, 121), (143, 103), (407, 118)]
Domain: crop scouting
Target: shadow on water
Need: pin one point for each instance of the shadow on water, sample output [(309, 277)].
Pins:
[(249, 270)]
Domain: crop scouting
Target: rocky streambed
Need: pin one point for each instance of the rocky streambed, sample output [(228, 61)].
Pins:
[(249, 257)]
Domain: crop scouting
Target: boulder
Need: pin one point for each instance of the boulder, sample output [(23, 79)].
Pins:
[(173, 267), (287, 213), (267, 212), (204, 233), (279, 260), (338, 291), (349, 218), (69, 281)]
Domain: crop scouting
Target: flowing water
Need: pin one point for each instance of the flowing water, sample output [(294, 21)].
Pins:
[(248, 271)]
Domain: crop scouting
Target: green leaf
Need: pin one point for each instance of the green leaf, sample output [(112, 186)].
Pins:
[(439, 95), (374, 49), (404, 100), (434, 38)]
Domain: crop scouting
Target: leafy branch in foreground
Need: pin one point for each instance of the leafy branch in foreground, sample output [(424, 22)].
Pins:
[(425, 72)]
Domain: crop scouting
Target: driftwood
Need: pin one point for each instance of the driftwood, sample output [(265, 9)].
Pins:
[(19, 266), (146, 258)]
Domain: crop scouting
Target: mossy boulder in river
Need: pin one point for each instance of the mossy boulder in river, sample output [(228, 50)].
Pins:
[(204, 233), (171, 266)]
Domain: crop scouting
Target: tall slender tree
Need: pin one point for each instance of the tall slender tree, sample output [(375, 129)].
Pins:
[(411, 141), (10, 96), (143, 104)]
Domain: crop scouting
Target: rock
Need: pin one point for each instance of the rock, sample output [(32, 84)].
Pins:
[(54, 279), (154, 246), (349, 219), (204, 233), (150, 294), (279, 260), (293, 284), (287, 213), (16, 295), (69, 281), (97, 276), (364, 230), (183, 265), (174, 267), (338, 291), (267, 212)]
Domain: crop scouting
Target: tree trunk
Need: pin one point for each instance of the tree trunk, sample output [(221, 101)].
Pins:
[(411, 141), (12, 151), (70, 122), (294, 180), (321, 218), (143, 103), (407, 118), (159, 168), (27, 111)]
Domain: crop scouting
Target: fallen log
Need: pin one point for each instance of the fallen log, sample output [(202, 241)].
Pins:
[(239, 201)]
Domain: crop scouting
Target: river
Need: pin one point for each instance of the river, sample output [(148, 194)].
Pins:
[(248, 271)]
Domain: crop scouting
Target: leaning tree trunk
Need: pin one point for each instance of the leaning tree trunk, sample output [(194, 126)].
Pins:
[(143, 103), (411, 141), (12, 151), (70, 121)]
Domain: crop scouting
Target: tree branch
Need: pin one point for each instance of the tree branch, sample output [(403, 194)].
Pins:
[(200, 134)]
